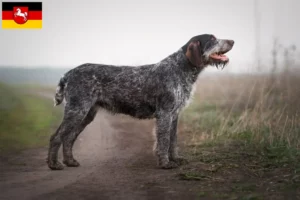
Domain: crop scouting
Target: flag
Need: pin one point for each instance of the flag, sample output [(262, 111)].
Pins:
[(21, 15)]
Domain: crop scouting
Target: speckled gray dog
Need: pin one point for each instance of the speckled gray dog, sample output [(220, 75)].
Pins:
[(158, 91)]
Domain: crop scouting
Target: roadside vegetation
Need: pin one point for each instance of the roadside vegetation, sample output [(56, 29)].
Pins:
[(242, 135), (26, 120)]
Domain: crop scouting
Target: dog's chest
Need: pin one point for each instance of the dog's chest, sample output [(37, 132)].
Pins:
[(184, 95), (190, 99)]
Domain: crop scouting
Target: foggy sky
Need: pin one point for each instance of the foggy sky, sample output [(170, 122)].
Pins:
[(132, 32)]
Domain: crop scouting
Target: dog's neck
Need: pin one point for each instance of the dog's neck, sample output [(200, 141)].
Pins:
[(186, 66)]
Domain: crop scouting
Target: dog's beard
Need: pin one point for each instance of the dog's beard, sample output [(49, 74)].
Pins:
[(218, 63)]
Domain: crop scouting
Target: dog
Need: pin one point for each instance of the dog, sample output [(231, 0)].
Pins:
[(158, 91)]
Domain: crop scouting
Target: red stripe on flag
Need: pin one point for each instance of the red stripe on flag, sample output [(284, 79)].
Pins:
[(32, 15)]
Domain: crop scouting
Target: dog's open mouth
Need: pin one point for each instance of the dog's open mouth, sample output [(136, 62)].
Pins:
[(219, 56), (215, 55), (219, 59)]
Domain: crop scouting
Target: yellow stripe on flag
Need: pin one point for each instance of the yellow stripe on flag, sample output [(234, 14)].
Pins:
[(29, 24)]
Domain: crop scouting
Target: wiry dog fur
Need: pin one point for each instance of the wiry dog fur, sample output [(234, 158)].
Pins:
[(158, 91)]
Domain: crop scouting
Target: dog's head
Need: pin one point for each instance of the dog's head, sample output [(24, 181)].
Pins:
[(203, 50)]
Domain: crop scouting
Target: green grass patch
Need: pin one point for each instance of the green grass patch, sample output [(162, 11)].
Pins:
[(249, 135), (26, 120), (224, 126), (201, 194), (193, 176), (202, 117)]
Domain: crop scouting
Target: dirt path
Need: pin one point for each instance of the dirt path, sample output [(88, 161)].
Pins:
[(116, 159), (117, 162)]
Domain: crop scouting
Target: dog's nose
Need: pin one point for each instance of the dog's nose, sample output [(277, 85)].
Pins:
[(231, 42)]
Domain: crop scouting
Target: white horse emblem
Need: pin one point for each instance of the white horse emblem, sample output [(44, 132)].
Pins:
[(20, 14)]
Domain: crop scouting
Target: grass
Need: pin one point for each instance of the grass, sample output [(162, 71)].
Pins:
[(26, 120), (192, 176), (242, 136), (255, 109), (35, 88)]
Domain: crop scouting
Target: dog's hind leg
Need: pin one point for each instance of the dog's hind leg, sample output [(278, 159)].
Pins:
[(55, 143), (71, 126), (70, 138)]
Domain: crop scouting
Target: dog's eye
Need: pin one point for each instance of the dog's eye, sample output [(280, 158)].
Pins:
[(213, 38)]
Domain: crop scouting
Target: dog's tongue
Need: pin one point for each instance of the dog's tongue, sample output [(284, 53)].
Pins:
[(219, 57)]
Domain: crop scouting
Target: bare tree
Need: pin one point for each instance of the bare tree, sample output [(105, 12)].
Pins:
[(289, 57), (276, 48), (274, 55)]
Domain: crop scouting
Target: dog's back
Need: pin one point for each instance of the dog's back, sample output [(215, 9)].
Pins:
[(123, 89)]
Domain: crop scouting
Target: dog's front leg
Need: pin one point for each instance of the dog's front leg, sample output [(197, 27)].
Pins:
[(163, 128), (173, 151)]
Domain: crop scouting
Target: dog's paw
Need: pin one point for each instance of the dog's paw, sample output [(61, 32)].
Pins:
[(55, 165), (169, 165), (71, 163), (180, 160)]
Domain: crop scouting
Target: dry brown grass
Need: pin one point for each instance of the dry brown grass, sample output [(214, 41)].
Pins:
[(262, 108), (241, 134)]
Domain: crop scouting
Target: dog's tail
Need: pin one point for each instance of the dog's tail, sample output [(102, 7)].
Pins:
[(60, 94)]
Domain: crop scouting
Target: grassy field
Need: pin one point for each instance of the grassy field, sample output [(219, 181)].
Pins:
[(243, 136), (26, 120)]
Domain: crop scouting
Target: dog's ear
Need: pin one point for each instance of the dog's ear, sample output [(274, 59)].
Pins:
[(193, 53)]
